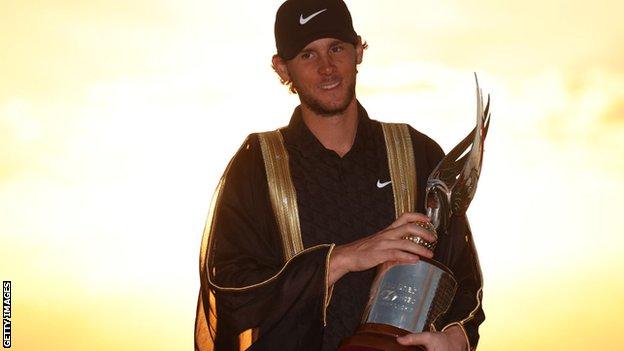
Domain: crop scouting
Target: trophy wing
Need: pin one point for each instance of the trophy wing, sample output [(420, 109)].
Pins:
[(453, 183), (466, 183)]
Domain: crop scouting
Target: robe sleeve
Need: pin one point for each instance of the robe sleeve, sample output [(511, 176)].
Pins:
[(242, 266), (455, 249)]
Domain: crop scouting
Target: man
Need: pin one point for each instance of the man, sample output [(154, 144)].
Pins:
[(313, 298)]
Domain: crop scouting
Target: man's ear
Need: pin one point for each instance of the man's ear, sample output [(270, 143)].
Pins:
[(359, 50), (279, 65)]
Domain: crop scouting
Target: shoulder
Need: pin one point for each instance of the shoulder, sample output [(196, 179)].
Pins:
[(249, 157), (424, 143), (246, 168), (425, 148), (247, 154)]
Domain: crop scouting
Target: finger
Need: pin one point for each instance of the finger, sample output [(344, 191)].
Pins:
[(401, 256), (405, 245), (408, 217), (422, 339), (410, 247)]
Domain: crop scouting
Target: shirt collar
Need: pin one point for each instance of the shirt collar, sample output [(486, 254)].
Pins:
[(300, 137)]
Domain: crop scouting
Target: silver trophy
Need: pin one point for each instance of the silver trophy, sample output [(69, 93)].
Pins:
[(409, 298)]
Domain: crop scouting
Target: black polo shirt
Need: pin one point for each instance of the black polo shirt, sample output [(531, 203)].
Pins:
[(342, 199)]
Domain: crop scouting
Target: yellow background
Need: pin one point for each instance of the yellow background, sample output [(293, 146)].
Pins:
[(117, 118)]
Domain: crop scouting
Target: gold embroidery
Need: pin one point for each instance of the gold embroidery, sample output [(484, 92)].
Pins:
[(203, 329), (206, 237), (271, 279), (281, 191), (479, 294), (402, 166), (328, 289)]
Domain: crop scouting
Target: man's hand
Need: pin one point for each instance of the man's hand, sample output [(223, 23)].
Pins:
[(386, 245), (452, 339)]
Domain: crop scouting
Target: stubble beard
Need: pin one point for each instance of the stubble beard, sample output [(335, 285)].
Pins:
[(324, 110)]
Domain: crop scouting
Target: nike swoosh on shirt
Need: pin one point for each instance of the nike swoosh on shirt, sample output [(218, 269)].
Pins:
[(304, 20), (381, 185)]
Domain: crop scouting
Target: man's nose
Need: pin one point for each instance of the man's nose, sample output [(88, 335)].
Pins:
[(326, 65)]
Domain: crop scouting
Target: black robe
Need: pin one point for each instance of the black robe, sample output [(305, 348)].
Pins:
[(340, 200)]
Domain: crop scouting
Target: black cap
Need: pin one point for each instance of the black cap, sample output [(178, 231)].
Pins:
[(300, 22)]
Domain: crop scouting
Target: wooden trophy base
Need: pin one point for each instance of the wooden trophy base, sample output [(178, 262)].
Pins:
[(376, 337)]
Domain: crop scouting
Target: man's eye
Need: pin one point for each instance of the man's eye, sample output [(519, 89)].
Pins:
[(337, 48), (305, 56)]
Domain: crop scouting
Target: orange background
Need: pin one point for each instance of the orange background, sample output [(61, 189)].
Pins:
[(117, 118)]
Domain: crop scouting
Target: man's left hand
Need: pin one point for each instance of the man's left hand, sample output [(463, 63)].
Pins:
[(451, 339)]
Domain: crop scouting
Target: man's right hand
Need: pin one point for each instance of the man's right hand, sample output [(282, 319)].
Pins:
[(386, 245)]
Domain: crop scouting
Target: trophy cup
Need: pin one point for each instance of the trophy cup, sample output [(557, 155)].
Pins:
[(409, 298)]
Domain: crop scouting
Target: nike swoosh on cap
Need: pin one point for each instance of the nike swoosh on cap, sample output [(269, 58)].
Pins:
[(381, 185), (304, 20)]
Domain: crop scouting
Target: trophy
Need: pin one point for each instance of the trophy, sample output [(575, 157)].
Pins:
[(409, 298)]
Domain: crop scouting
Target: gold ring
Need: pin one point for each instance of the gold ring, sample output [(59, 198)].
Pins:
[(420, 241), (427, 225)]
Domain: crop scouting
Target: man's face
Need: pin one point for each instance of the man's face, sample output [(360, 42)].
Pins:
[(323, 74)]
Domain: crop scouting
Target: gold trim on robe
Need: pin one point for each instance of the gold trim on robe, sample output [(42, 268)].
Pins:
[(402, 166), (281, 191)]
